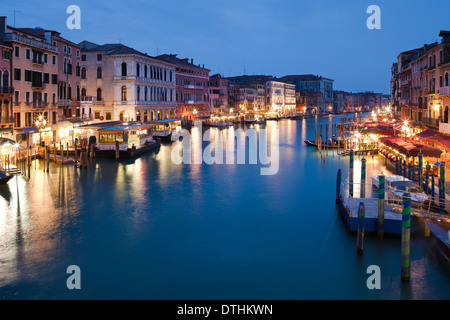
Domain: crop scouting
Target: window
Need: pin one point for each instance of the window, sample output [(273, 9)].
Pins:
[(99, 73), (16, 96), (54, 60), (99, 94), (124, 69), (138, 70), (46, 78), (65, 49), (108, 116), (83, 57), (5, 78), (99, 57), (83, 73), (78, 53), (97, 115), (124, 93), (54, 79), (83, 92), (45, 58), (78, 70), (6, 55), (28, 54), (17, 74), (69, 50), (28, 75), (17, 52)]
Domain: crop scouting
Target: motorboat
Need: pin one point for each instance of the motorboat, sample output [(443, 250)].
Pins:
[(397, 185)]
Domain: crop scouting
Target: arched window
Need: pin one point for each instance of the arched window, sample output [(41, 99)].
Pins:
[(138, 91), (446, 115), (138, 70), (5, 81), (99, 73), (124, 93), (446, 79), (145, 94), (145, 71), (83, 92), (99, 94), (83, 73), (124, 69)]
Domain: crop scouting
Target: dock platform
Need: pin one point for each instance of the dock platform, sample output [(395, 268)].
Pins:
[(348, 209), (442, 236)]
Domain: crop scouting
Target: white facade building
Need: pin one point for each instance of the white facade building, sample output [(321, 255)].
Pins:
[(121, 83)]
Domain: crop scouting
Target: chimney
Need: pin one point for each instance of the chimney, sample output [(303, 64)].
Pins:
[(192, 61), (2, 27), (445, 36), (48, 37)]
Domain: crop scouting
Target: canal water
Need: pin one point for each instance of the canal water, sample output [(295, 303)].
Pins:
[(150, 229)]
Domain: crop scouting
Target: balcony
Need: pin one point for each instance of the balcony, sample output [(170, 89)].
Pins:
[(37, 85), (124, 78), (39, 104), (6, 120), (6, 90), (87, 117), (39, 62), (64, 102), (431, 122), (192, 86), (444, 91), (30, 41), (444, 127)]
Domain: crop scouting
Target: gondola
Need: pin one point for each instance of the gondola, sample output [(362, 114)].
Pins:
[(5, 177)]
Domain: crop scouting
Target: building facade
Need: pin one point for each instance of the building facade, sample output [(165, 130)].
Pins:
[(35, 82), (420, 84), (191, 87), (6, 91), (122, 84), (313, 84), (218, 94)]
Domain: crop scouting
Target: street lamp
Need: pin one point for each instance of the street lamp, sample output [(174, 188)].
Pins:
[(195, 114), (40, 124)]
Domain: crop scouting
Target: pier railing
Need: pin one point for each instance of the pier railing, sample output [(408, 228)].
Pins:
[(433, 205)]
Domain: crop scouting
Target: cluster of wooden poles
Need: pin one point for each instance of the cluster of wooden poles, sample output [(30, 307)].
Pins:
[(406, 215), (426, 184)]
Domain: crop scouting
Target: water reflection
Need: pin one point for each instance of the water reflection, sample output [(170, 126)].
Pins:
[(158, 228)]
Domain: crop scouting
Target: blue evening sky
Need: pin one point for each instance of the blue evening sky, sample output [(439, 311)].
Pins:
[(274, 37)]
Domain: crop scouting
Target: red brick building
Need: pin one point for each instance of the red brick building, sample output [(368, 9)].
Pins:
[(192, 87)]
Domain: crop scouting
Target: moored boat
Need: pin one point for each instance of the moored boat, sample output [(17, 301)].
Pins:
[(397, 185), (5, 177)]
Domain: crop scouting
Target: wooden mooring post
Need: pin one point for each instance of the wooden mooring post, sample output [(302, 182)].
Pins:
[(381, 195), (361, 228), (338, 184), (363, 178), (117, 150), (420, 171), (406, 237), (350, 174)]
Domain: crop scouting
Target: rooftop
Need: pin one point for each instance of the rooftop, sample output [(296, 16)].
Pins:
[(173, 59)]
